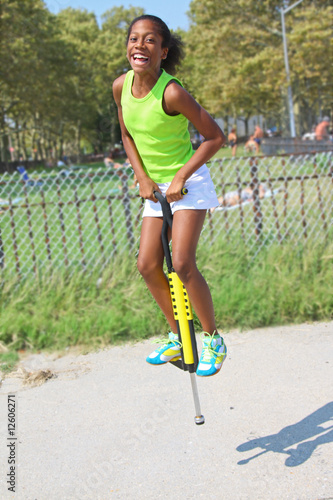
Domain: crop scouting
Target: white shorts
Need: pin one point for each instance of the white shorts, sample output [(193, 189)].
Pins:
[(201, 195)]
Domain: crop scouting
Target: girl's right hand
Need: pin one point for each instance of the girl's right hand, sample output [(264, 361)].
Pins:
[(147, 188)]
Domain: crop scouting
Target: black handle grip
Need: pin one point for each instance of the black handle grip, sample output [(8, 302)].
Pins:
[(167, 222), (167, 214), (166, 209), (183, 191)]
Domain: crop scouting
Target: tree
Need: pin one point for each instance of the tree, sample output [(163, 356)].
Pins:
[(310, 45), (112, 62), (236, 56), (79, 30), (30, 90)]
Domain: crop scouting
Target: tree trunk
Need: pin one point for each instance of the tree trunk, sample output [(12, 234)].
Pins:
[(78, 141), (3, 137), (61, 142), (11, 148), (246, 123), (24, 144)]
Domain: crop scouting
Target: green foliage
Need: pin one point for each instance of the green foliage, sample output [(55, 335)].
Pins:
[(56, 87), (58, 311), (8, 361), (239, 69), (57, 70), (284, 284)]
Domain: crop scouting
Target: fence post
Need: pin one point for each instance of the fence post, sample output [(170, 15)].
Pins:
[(114, 241), (285, 197), (62, 224), (304, 224), (331, 173), (30, 232), (2, 255), (320, 198), (15, 247), (127, 209), (46, 228), (99, 232), (256, 200), (275, 214), (225, 212), (241, 213), (79, 224)]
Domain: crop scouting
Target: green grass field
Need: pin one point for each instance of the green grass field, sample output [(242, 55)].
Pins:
[(73, 232), (283, 285), (82, 221)]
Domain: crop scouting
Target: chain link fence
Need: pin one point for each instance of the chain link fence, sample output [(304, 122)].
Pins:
[(81, 218)]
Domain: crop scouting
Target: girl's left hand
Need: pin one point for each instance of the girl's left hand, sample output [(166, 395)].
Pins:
[(174, 191)]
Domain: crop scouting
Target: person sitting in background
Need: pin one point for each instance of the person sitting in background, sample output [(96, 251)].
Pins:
[(321, 131), (250, 145), (310, 136), (232, 138), (109, 161), (26, 179), (232, 198)]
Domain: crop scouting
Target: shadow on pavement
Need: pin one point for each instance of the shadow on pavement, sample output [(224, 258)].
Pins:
[(304, 430)]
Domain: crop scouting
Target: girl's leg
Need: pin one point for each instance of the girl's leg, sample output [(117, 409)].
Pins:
[(150, 266), (186, 229)]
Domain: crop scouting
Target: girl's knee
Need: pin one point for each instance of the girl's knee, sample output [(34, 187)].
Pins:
[(184, 268), (146, 267), (142, 266)]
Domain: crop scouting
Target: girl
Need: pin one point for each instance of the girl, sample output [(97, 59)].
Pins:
[(154, 110)]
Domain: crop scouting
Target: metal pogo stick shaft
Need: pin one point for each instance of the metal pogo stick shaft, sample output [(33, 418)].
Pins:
[(199, 419)]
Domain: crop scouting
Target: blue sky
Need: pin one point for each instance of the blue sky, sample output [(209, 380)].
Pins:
[(173, 12)]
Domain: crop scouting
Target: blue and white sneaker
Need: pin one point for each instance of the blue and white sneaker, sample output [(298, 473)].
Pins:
[(169, 351), (214, 352)]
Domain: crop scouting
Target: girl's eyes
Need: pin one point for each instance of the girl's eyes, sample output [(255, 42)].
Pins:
[(148, 39)]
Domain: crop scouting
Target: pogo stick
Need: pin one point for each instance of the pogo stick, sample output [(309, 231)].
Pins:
[(182, 311)]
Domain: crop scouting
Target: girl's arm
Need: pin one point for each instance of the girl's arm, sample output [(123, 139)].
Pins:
[(178, 100), (146, 185)]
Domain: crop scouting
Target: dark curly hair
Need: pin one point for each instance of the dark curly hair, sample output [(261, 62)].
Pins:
[(170, 40)]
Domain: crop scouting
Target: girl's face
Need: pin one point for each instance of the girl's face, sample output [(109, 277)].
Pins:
[(144, 47)]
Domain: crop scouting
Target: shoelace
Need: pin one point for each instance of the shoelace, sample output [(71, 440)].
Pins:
[(168, 341), (208, 350)]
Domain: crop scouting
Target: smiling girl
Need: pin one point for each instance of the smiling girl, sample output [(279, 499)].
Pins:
[(154, 110)]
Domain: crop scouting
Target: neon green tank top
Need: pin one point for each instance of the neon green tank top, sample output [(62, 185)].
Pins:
[(163, 141)]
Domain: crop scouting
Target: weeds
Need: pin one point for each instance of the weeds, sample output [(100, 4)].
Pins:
[(8, 361), (283, 284)]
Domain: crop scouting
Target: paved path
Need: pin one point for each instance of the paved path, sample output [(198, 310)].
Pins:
[(110, 426)]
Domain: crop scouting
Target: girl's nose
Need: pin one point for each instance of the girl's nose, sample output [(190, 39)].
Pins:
[(139, 42)]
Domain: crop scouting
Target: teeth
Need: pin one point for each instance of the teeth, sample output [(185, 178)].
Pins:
[(140, 57)]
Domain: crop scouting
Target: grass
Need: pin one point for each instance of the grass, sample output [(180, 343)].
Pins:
[(66, 228), (8, 361), (75, 231), (283, 285)]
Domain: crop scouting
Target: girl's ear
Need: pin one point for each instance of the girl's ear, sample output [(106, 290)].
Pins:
[(165, 53)]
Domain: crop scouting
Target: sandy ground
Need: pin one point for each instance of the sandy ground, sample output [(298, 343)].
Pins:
[(107, 425)]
